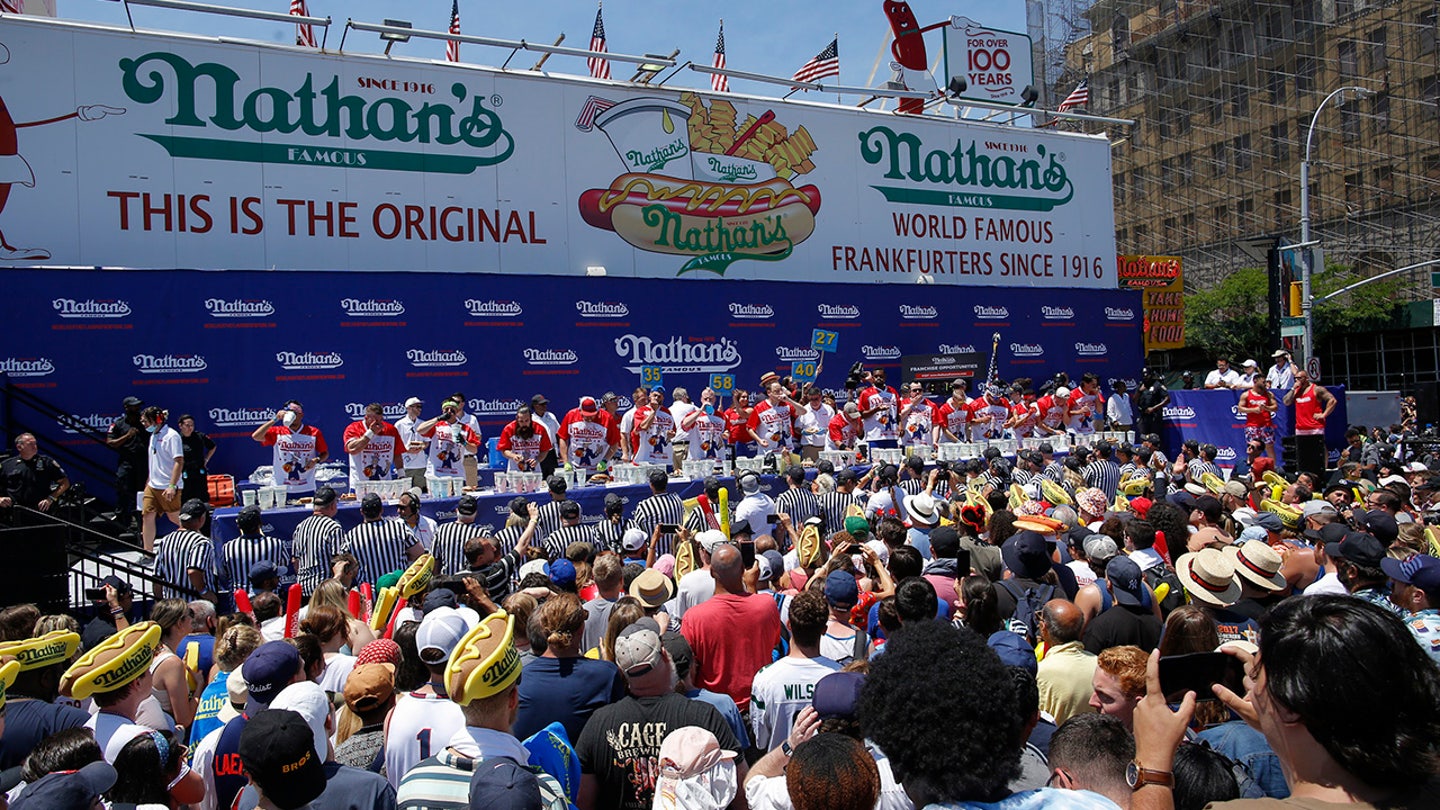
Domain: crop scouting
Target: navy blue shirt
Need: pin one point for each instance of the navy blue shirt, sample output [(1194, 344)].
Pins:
[(565, 691), (29, 721)]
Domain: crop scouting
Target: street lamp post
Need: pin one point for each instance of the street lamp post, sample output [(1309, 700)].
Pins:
[(1306, 309)]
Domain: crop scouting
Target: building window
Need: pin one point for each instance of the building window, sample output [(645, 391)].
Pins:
[(1385, 180), (1305, 74), (1427, 32), (1350, 121), (1354, 190), (1120, 33), (1167, 174), (1240, 101), (1221, 215), (1120, 236), (1380, 111), (1243, 155), (1187, 226), (1277, 86), (1169, 230), (1280, 142), (1375, 54), (1282, 211), (1344, 8), (1345, 55), (1244, 210), (1217, 111), (1430, 93), (1220, 157)]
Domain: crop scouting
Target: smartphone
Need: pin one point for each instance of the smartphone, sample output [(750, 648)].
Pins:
[(962, 559), (772, 519), (95, 594), (747, 554), (854, 548), (1197, 672), (669, 528)]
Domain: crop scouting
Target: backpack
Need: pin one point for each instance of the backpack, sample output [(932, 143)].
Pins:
[(1158, 574), (1027, 603)]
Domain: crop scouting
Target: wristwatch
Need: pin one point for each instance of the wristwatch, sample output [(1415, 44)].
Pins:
[(1137, 777), (785, 748)]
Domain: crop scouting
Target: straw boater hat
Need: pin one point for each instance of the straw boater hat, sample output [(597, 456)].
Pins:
[(1257, 563), (114, 663), (1209, 577), (417, 577), (56, 647), (485, 662)]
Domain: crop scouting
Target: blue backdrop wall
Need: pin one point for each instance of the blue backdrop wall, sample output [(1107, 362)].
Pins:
[(231, 346)]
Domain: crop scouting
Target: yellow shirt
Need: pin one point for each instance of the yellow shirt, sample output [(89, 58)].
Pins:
[(1065, 679)]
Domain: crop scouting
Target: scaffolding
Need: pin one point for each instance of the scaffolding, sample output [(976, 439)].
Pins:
[(1224, 92)]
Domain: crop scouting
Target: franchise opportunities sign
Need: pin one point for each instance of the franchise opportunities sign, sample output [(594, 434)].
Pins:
[(137, 150)]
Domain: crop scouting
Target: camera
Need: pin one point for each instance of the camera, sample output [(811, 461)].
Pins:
[(856, 376)]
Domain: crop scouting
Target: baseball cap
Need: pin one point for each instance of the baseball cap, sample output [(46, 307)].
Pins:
[(68, 790), (194, 509), (535, 567), (837, 694), (539, 399), (587, 405), (562, 573), (308, 700), (262, 570), (269, 670), (369, 686), (414, 401), (1421, 570), (1359, 548), (248, 519), (857, 526), (277, 749), (681, 655), (609, 396), (379, 651), (1382, 525), (121, 586), (710, 539), (1311, 508), (520, 506), (694, 771), (1269, 521), (638, 650), (237, 693), (324, 496), (1100, 547), (1236, 489), (841, 589), (1327, 534), (439, 632), (439, 598), (771, 564), (633, 539), (1124, 576), (467, 505), (1013, 650), (500, 783), (371, 504), (132, 402), (945, 542)]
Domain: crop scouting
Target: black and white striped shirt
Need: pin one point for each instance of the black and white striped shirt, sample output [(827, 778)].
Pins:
[(507, 538), (1023, 477), (912, 486), (665, 507), (547, 520), (833, 506), (561, 538), (1198, 467), (315, 541), (606, 535), (177, 554), (1104, 475), (1055, 471), (380, 546), (449, 548), (246, 550), (799, 503)]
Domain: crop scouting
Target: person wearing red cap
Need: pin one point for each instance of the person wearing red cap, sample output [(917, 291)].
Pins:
[(587, 440)]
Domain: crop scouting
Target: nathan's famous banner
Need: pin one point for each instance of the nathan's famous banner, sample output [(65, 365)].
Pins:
[(231, 347), (1162, 281), (1214, 417), (136, 150)]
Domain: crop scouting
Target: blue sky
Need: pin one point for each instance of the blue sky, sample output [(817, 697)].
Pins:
[(762, 36)]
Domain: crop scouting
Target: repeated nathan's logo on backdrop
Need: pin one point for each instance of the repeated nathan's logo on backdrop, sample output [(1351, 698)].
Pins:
[(678, 355), (1091, 349), (602, 310), (495, 407), (27, 366), (880, 352), (985, 313), (239, 308), (792, 354), (1177, 413), (91, 308), (950, 348), (842, 312), (1119, 314), (435, 358), (356, 410), (752, 311), (168, 363), (697, 184), (551, 357), (95, 421), (1050, 313), (244, 417), (1027, 349), (913, 313), (372, 308), (492, 308), (307, 361)]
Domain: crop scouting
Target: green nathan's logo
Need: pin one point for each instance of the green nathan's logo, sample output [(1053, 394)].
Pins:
[(326, 112), (970, 179)]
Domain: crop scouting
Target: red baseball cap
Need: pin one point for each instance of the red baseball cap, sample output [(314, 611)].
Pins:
[(587, 405)]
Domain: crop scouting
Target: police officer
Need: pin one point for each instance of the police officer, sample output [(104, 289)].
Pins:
[(128, 438)]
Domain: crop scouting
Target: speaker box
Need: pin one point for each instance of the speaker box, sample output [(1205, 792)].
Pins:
[(1287, 453), (42, 578), (1427, 404)]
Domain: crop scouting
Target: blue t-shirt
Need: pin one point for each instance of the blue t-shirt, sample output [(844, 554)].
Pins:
[(726, 706), (565, 691), (212, 700), (206, 644), (28, 721)]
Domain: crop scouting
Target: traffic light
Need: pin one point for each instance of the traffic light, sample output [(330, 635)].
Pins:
[(1296, 309)]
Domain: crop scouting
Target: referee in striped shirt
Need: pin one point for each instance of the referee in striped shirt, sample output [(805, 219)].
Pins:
[(381, 545), (317, 539), (1103, 473), (449, 549), (185, 558), (696, 521), (661, 508), (607, 534), (253, 546), (550, 519), (834, 505), (570, 532), (1203, 463), (798, 501)]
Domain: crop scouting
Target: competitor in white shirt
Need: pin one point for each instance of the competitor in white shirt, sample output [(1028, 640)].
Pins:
[(707, 430), (640, 396), (654, 430), (772, 423), (989, 413), (813, 424), (373, 446), (1086, 406), (953, 415), (449, 438), (916, 418), (1223, 376), (298, 448), (1118, 410), (587, 440), (412, 460), (681, 407)]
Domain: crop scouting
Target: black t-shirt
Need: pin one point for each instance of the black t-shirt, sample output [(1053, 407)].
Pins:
[(29, 482), (346, 788), (1253, 608), (132, 451), (620, 745), (1121, 625), (196, 445)]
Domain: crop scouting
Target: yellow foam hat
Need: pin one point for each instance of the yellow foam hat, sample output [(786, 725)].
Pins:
[(1212, 482), (1135, 485), (1054, 493), (114, 663), (55, 647), (684, 558), (8, 672), (485, 662), (808, 549), (385, 605), (417, 577)]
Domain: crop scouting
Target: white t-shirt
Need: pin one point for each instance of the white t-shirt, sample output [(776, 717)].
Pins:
[(407, 429), (678, 411), (1226, 380), (291, 456), (694, 588), (420, 726), (469, 420), (653, 443), (336, 672), (756, 510), (424, 531), (780, 691), (112, 732), (445, 449), (814, 425), (165, 447), (707, 439)]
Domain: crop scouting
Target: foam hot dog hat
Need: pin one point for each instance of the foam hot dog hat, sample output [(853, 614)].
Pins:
[(485, 662), (1039, 523), (114, 663), (55, 647), (8, 672), (417, 577)]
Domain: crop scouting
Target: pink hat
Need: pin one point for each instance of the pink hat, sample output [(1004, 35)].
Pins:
[(1092, 500), (665, 564), (695, 772)]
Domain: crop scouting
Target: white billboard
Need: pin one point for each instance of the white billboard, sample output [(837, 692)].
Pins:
[(996, 65), (142, 150)]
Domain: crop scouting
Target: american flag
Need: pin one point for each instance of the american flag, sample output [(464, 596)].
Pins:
[(304, 34), (452, 46), (11, 6), (719, 83), (594, 105), (1079, 97), (825, 63), (599, 68)]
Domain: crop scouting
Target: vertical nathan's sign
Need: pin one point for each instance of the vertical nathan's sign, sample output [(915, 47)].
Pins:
[(1161, 279), (996, 65)]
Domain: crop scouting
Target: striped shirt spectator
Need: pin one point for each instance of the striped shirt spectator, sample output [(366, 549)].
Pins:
[(1055, 471), (799, 503), (834, 506), (1104, 475), (317, 539), (449, 549), (442, 782), (247, 549), (1198, 467), (179, 553), (561, 538), (381, 545), (660, 508)]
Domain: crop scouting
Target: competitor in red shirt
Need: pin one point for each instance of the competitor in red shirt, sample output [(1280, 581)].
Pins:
[(878, 406), (1086, 406), (587, 437), (953, 414), (292, 423), (523, 444), (737, 425), (1023, 414), (989, 413), (1313, 405), (772, 423), (917, 418), (374, 446), (1051, 411), (1258, 404), (844, 427)]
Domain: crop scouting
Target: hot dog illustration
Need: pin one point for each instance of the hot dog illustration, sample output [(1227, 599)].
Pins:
[(912, 64)]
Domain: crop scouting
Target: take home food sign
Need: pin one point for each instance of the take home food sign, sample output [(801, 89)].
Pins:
[(175, 151)]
